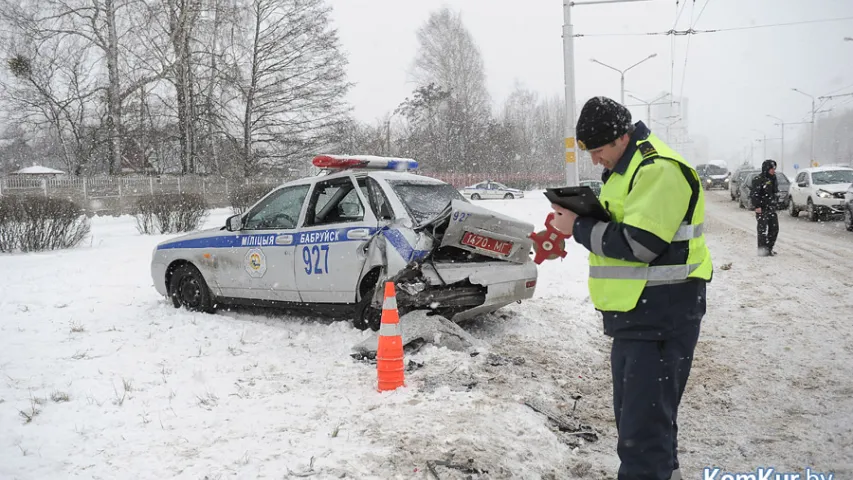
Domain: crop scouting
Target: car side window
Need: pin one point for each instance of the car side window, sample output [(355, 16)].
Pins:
[(334, 201), (378, 200), (279, 210)]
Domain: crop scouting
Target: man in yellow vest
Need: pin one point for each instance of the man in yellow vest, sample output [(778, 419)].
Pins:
[(648, 268)]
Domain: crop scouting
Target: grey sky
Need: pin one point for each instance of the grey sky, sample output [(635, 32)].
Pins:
[(733, 79)]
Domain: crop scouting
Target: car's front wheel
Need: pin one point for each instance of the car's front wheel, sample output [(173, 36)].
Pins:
[(188, 289), (792, 207), (812, 210), (366, 315), (509, 196), (475, 196)]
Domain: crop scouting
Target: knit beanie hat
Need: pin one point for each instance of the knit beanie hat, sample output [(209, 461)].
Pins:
[(601, 122)]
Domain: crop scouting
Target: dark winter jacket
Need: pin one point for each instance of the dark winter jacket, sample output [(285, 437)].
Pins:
[(764, 188)]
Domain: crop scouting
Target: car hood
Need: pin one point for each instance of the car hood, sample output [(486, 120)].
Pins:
[(833, 187)]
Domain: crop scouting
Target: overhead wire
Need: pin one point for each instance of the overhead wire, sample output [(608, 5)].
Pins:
[(700, 13), (691, 31)]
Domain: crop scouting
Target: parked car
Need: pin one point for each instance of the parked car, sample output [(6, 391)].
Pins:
[(595, 185), (331, 241), (490, 189), (737, 178), (820, 191), (782, 181), (848, 208), (714, 174)]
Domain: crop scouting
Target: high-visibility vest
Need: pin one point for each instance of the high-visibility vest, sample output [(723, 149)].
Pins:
[(616, 285)]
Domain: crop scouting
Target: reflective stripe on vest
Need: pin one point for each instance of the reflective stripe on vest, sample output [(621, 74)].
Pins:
[(659, 273), (390, 330), (688, 232)]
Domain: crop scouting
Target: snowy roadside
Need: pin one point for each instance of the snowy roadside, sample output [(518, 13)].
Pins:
[(156, 392)]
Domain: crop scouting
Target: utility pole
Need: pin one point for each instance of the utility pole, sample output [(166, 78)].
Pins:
[(569, 75)]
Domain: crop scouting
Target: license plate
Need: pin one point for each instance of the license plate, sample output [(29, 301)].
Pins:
[(486, 243)]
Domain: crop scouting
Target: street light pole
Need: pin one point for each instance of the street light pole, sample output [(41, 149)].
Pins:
[(811, 161), (649, 105), (569, 78), (623, 72), (782, 153)]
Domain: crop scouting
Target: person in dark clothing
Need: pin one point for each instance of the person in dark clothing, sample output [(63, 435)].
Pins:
[(763, 195)]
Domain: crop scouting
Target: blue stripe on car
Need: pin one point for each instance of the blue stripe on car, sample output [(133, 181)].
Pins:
[(334, 235)]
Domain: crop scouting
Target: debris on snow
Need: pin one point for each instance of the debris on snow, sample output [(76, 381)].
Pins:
[(419, 328)]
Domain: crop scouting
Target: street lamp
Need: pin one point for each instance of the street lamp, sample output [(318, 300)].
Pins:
[(649, 105), (622, 72), (811, 161), (782, 137)]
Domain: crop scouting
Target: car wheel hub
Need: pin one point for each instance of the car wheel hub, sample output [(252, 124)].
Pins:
[(189, 292)]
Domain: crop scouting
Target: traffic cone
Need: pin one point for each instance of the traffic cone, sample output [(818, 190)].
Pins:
[(389, 353)]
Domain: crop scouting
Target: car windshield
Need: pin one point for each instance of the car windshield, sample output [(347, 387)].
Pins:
[(712, 170), (425, 200), (781, 179), (828, 177)]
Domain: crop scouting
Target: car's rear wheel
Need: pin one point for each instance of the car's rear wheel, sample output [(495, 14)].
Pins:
[(509, 196), (475, 196), (188, 289), (792, 207), (848, 219)]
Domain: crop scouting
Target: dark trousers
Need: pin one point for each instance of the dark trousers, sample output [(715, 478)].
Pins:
[(768, 229), (649, 378)]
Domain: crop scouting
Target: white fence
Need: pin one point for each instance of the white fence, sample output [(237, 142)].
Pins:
[(116, 195)]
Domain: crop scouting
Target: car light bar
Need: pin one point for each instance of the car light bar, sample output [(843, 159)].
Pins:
[(341, 162)]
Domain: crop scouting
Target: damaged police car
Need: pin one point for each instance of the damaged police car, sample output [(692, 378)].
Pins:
[(331, 241)]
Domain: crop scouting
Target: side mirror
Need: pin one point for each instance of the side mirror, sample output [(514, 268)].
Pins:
[(802, 185), (234, 223)]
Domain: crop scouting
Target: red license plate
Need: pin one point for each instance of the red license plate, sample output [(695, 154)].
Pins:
[(486, 243)]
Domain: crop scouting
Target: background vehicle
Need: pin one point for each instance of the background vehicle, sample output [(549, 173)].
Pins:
[(848, 208), (490, 189), (784, 184), (331, 241), (595, 185), (714, 174), (820, 191), (737, 178)]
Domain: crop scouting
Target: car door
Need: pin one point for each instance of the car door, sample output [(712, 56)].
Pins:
[(330, 244), (259, 265), (797, 189)]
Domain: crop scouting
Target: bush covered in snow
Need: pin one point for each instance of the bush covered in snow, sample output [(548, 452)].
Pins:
[(32, 223), (244, 196), (170, 213)]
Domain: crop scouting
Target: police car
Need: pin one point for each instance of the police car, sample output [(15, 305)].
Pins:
[(332, 240)]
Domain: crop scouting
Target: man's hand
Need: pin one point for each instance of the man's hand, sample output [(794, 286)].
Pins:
[(758, 210), (564, 219)]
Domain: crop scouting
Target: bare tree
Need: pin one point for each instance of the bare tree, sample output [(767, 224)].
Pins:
[(449, 58), (289, 80), (102, 25)]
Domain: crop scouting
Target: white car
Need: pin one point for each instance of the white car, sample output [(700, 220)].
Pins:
[(820, 191), (331, 241), (491, 190)]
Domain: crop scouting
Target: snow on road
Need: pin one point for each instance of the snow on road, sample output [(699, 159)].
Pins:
[(155, 392)]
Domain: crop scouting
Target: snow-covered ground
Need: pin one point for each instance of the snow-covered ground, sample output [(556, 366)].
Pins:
[(102, 378)]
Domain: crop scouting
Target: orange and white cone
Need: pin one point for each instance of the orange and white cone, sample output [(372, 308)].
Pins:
[(390, 369)]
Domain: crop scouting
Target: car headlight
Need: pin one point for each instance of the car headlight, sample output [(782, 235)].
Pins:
[(726, 180), (823, 194)]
